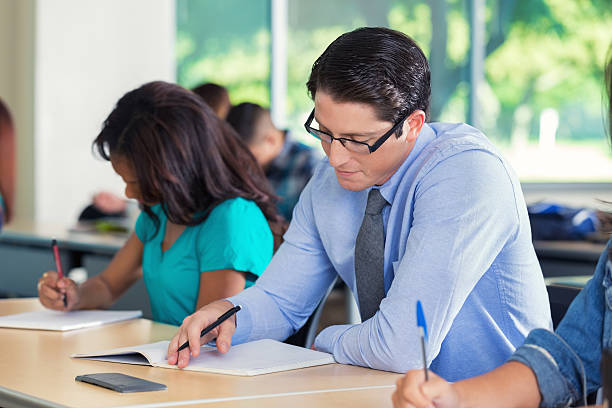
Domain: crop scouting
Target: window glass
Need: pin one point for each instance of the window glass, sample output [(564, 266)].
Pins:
[(226, 42), (314, 24), (542, 100)]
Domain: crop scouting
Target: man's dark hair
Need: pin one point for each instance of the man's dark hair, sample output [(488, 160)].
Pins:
[(244, 118), (377, 66)]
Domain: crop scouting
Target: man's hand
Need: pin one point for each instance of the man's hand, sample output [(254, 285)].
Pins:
[(192, 327)]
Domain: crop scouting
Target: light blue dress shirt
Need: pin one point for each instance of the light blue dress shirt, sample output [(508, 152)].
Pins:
[(457, 237)]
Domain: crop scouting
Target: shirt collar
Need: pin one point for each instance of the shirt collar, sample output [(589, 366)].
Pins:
[(389, 189)]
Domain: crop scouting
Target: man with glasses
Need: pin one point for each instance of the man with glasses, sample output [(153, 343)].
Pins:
[(402, 210)]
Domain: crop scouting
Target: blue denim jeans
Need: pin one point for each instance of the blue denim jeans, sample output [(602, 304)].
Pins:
[(585, 330)]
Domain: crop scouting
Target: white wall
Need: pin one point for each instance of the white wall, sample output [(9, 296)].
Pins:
[(17, 91), (88, 53)]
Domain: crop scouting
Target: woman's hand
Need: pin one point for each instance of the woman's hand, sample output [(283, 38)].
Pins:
[(52, 291), (414, 392)]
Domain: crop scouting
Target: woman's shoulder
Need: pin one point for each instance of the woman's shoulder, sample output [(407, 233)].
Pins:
[(156, 209), (235, 221), (146, 227), (236, 207)]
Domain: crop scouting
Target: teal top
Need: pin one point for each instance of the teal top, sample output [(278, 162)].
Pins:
[(235, 235)]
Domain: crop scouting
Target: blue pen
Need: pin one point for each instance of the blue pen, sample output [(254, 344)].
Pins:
[(423, 332)]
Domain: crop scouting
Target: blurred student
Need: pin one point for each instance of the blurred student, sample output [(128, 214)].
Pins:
[(205, 229), (216, 97), (7, 164), (104, 204), (287, 163), (549, 369)]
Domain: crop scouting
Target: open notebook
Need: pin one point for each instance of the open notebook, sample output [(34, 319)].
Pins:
[(254, 358), (63, 321)]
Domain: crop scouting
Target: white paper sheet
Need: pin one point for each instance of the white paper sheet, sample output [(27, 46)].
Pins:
[(254, 358), (64, 321)]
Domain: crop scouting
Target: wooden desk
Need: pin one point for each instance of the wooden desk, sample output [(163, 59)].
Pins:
[(35, 234), (26, 254), (35, 370)]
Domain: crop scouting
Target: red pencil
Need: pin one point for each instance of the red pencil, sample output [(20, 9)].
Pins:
[(58, 263)]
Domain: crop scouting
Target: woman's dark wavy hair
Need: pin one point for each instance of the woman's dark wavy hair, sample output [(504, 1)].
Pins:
[(183, 155), (377, 66)]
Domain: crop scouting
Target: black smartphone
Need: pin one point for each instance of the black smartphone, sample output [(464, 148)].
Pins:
[(121, 382)]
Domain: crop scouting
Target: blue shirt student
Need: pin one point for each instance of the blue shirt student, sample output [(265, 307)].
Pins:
[(457, 237), (235, 236), (583, 333)]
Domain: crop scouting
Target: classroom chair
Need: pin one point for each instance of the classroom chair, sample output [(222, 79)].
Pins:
[(560, 297)]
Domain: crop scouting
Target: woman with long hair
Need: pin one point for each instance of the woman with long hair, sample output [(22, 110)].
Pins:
[(208, 218)]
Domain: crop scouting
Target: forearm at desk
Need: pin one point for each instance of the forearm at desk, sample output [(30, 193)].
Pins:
[(368, 345), (259, 317), (122, 272), (286, 294), (512, 385), (94, 294)]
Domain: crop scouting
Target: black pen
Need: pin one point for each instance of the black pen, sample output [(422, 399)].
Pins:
[(211, 326)]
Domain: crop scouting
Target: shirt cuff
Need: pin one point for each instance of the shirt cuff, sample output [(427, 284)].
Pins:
[(538, 353), (329, 337), (244, 318)]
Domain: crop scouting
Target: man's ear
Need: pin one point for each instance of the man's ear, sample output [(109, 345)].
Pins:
[(413, 125), (270, 139)]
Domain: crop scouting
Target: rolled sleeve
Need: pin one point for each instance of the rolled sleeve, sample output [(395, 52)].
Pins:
[(328, 337), (554, 366)]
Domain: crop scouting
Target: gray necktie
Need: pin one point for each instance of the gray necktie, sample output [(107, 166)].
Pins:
[(370, 257)]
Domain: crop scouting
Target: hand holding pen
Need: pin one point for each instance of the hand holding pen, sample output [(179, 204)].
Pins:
[(421, 388), (211, 326), (216, 319), (55, 291), (58, 265)]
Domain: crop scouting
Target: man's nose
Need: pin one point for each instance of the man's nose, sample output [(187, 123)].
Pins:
[(338, 154)]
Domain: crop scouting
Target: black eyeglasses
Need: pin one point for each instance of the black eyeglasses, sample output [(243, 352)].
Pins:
[(350, 144)]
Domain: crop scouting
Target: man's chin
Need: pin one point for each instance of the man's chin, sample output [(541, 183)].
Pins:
[(351, 185)]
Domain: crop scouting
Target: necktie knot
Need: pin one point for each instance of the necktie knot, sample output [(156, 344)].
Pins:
[(376, 202)]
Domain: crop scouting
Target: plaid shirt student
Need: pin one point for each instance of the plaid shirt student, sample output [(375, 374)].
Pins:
[(289, 173)]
